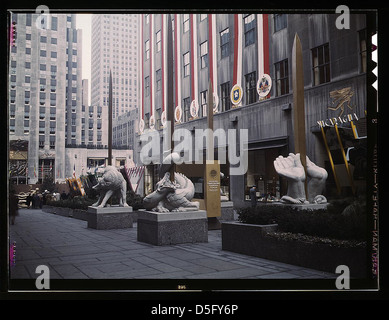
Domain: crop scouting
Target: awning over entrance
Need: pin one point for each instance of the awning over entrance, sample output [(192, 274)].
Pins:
[(268, 143)]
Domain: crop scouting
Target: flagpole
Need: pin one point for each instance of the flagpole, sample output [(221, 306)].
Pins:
[(170, 104), (110, 120)]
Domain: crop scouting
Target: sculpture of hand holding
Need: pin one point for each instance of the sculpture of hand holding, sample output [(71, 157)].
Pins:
[(316, 183), (292, 169)]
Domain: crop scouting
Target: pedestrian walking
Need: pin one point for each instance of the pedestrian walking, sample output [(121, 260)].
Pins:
[(253, 196), (35, 203), (29, 200), (13, 207), (44, 198), (40, 201)]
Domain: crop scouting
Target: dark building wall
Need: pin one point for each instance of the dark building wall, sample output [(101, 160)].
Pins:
[(269, 122)]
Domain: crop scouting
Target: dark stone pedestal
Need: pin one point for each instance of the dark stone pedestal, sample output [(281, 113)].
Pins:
[(214, 223), (114, 217), (227, 210), (172, 227)]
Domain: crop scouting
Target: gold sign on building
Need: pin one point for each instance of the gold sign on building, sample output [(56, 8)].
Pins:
[(341, 98), (18, 155)]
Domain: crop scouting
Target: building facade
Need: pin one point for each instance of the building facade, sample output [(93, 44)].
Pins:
[(53, 131), (247, 58), (124, 130), (44, 90), (114, 48)]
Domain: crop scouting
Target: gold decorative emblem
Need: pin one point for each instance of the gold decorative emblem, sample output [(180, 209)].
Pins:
[(341, 97)]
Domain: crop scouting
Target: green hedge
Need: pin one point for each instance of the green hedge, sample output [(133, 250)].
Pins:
[(343, 219), (79, 202)]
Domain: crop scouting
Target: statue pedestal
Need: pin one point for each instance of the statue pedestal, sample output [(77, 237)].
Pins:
[(172, 227), (114, 217), (227, 210)]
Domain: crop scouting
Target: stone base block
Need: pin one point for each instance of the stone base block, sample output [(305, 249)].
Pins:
[(214, 223), (227, 210), (172, 227), (114, 217)]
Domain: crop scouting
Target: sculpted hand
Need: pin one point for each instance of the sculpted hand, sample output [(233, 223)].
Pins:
[(290, 167), (315, 172), (316, 184)]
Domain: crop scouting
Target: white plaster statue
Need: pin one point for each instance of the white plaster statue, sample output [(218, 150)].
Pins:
[(292, 169), (111, 182), (169, 195)]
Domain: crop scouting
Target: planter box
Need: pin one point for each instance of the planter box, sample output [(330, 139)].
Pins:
[(61, 211), (80, 214), (76, 213), (250, 240), (67, 212), (227, 210)]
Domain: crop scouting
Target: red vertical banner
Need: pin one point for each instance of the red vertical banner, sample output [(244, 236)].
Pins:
[(151, 53), (236, 42), (191, 57), (237, 67), (210, 49), (163, 56), (175, 58), (266, 43), (141, 66), (236, 93), (194, 65), (263, 56)]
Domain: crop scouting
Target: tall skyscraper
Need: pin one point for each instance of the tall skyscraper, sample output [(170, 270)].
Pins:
[(115, 48), (45, 91)]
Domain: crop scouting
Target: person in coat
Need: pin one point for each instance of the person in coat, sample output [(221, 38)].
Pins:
[(253, 196), (13, 207)]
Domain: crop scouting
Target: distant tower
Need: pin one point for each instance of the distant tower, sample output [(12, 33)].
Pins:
[(115, 47)]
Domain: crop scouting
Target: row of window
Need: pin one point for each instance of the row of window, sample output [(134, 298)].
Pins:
[(320, 71), (279, 21), (224, 35), (52, 24), (43, 39)]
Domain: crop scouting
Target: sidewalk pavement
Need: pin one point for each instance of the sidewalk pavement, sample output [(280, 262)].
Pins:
[(73, 251)]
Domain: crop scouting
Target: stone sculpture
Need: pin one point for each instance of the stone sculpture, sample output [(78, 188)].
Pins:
[(171, 195), (111, 182), (292, 169)]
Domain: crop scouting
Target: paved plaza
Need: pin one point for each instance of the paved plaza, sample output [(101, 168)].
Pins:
[(73, 251)]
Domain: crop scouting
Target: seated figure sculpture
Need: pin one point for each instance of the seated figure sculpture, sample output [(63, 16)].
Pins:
[(292, 169)]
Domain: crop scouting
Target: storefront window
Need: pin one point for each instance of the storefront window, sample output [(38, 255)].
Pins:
[(261, 173), (151, 178), (95, 162)]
